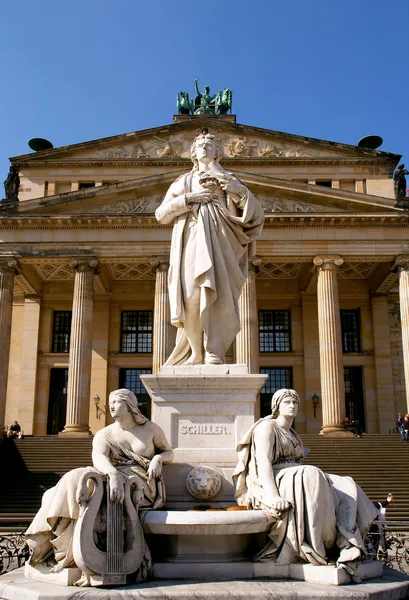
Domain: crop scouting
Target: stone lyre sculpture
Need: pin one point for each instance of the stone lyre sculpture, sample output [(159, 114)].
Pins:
[(215, 219), (81, 525), (319, 518)]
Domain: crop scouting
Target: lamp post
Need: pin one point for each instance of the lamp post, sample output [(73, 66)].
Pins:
[(99, 410), (315, 400)]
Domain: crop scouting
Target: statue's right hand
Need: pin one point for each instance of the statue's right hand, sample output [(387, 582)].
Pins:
[(198, 198), (116, 488), (280, 503)]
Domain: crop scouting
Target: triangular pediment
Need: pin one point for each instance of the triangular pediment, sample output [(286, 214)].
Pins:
[(172, 143), (141, 197)]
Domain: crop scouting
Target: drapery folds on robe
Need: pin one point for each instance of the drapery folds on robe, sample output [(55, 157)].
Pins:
[(224, 229), (51, 532), (326, 511)]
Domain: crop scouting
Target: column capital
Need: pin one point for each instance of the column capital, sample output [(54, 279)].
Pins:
[(255, 263), (401, 263), (84, 263), (159, 263), (9, 264), (328, 262)]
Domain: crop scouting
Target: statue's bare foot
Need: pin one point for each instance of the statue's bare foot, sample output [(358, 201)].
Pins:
[(213, 359), (193, 360)]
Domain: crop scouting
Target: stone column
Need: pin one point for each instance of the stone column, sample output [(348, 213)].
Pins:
[(161, 313), (79, 366), (329, 331), (7, 272), (247, 338), (402, 265)]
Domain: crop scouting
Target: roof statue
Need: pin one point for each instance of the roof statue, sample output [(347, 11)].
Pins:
[(204, 103), (12, 184)]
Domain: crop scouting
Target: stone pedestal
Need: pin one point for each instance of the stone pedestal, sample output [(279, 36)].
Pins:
[(79, 368), (331, 362), (204, 410), (7, 272)]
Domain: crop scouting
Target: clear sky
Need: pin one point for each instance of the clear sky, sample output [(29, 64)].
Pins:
[(74, 71)]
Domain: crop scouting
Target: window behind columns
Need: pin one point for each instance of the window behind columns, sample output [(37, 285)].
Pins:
[(136, 331), (61, 331), (274, 330), (130, 379), (354, 395), (351, 330), (278, 378)]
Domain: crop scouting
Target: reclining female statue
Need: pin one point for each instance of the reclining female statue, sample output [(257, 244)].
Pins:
[(320, 518), (133, 449)]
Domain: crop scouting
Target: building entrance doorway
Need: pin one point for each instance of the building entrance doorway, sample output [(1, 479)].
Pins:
[(354, 395), (57, 401)]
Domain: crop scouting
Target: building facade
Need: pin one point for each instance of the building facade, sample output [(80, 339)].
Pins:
[(83, 269)]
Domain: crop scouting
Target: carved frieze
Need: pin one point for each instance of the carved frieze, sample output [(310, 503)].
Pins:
[(274, 151), (274, 204), (145, 205), (241, 147), (123, 152)]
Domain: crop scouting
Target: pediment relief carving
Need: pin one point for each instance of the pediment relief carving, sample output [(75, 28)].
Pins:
[(275, 204), (144, 205), (233, 146), (148, 205)]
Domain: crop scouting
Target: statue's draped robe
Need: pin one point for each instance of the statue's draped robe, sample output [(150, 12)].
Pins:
[(52, 529), (326, 510), (224, 229)]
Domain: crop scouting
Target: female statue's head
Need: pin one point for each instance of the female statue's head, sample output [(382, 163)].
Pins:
[(205, 148), (128, 399), (279, 396)]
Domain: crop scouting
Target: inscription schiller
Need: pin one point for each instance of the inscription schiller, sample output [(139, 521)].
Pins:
[(200, 429)]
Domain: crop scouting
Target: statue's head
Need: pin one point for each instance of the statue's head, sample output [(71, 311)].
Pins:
[(207, 89), (129, 400), (289, 397), (205, 148)]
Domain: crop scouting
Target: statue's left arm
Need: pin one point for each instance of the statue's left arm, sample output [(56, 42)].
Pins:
[(100, 460), (163, 452)]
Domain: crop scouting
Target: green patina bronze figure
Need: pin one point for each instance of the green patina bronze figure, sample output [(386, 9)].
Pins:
[(204, 103)]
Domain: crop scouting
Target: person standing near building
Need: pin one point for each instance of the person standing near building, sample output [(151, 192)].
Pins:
[(399, 424)]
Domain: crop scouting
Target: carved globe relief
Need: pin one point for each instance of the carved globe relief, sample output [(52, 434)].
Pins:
[(203, 483)]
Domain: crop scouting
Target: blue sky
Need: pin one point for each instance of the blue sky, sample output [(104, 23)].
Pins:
[(74, 71)]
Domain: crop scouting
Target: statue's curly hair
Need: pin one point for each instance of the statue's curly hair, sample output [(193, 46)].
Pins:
[(279, 396), (193, 156), (131, 402)]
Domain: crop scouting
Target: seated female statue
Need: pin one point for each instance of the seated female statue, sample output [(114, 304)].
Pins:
[(319, 517), (132, 446)]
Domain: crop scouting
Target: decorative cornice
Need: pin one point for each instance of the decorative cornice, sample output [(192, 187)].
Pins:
[(184, 162), (147, 221)]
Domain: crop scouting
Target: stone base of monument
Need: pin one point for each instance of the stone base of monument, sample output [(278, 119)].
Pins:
[(393, 585), (204, 410), (213, 571)]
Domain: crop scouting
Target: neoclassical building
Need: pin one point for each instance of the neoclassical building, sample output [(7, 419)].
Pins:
[(83, 269)]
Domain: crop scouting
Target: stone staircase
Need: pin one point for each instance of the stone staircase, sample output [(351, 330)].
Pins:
[(379, 463)]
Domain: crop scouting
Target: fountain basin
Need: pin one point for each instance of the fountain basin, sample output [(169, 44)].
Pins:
[(180, 522), (205, 536)]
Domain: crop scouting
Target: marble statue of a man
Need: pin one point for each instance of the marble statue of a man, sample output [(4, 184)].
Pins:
[(215, 218)]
